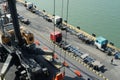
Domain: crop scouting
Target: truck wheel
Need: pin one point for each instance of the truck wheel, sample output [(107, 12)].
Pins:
[(96, 47)]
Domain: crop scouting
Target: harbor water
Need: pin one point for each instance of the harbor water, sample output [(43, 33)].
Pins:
[(101, 17)]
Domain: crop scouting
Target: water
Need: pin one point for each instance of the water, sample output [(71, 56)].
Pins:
[(101, 17)]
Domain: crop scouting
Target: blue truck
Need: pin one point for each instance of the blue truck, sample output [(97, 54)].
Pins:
[(101, 43)]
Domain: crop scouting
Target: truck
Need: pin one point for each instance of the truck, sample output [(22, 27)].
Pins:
[(29, 6), (101, 43), (56, 36), (97, 65), (57, 20)]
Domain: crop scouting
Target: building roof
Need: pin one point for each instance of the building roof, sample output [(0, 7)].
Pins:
[(55, 33)]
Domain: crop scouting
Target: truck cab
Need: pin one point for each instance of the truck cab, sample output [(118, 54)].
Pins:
[(57, 20), (97, 65), (56, 36), (101, 43), (29, 6)]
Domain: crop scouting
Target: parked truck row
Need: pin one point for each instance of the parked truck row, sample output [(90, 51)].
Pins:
[(56, 38)]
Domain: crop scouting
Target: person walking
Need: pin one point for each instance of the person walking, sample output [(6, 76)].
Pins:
[(112, 61)]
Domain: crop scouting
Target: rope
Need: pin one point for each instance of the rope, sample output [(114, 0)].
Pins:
[(61, 25), (62, 9), (54, 31), (66, 32)]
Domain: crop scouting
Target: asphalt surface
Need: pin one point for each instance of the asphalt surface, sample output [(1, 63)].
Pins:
[(44, 28)]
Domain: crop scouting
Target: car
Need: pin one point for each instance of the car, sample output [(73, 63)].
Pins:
[(117, 55), (33, 10), (78, 34), (47, 18), (19, 16), (88, 60), (71, 31), (39, 13), (109, 51), (81, 36), (25, 21), (67, 29)]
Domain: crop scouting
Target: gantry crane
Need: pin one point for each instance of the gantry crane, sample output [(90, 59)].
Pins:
[(17, 48)]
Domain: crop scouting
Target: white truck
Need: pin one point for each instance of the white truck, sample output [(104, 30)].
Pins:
[(57, 20)]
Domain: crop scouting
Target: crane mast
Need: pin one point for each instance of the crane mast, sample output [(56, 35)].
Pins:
[(13, 11)]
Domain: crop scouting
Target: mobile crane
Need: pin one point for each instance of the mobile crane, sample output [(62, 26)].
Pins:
[(18, 48)]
